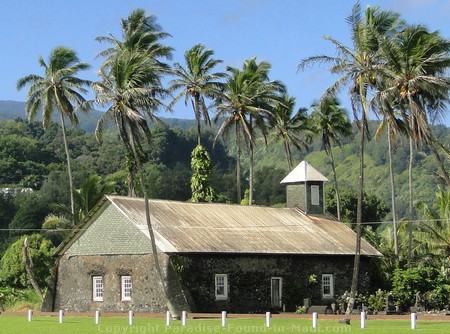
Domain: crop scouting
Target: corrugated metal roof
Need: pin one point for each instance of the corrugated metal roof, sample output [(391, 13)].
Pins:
[(302, 173), (182, 227)]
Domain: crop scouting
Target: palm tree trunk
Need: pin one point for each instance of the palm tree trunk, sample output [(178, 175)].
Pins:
[(238, 165), (357, 260), (338, 198), (195, 103), (250, 195), (391, 174), (172, 309), (69, 168), (29, 270), (287, 151), (410, 191)]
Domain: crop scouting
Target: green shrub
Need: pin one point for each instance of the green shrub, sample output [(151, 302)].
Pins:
[(427, 281), (377, 301)]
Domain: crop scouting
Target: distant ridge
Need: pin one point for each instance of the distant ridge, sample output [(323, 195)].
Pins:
[(10, 110)]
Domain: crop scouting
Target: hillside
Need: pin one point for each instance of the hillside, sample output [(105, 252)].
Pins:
[(172, 152), (10, 110)]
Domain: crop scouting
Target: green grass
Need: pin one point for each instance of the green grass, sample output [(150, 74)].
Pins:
[(115, 325)]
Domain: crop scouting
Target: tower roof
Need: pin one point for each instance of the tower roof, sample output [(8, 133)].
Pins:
[(302, 173)]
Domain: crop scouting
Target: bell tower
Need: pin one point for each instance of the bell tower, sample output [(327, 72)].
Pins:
[(304, 189)]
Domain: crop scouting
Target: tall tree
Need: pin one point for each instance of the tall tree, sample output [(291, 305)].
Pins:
[(59, 89), (360, 68), (433, 234), (392, 125), (196, 82), (417, 61), (248, 98), (292, 129), (331, 122), (131, 88)]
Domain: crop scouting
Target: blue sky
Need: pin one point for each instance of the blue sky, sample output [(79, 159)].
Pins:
[(282, 32)]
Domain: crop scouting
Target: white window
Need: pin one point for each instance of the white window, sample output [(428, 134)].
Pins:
[(327, 285), (221, 286), (97, 288), (315, 195), (126, 287)]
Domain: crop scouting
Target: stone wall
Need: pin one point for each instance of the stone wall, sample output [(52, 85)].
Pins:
[(74, 283), (249, 279), (295, 195)]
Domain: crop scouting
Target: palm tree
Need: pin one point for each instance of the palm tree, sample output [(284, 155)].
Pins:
[(247, 99), (139, 33), (331, 121), (359, 68), (131, 88), (416, 61), (288, 126), (58, 89), (433, 234), (90, 193), (392, 125), (196, 82)]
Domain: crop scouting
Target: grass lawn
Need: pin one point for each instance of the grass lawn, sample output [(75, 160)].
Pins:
[(116, 325)]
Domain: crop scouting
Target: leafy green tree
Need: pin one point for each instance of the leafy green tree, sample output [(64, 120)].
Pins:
[(58, 89), (195, 82), (331, 122), (290, 127), (408, 283), (7, 211), (200, 180), (374, 208), (13, 272), (268, 190), (31, 211), (359, 68)]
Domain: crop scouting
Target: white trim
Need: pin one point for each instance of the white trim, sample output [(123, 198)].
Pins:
[(328, 280), (126, 287), (315, 194), (97, 288), (221, 286)]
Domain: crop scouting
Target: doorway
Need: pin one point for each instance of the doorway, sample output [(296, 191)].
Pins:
[(276, 291)]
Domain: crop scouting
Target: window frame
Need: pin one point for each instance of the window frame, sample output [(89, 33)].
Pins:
[(330, 277), (315, 194), (97, 290), (124, 290), (223, 296)]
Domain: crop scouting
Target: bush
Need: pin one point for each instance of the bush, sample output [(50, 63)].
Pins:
[(12, 299), (426, 281), (301, 310), (377, 301)]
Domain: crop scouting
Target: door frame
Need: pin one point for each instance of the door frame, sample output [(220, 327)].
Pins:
[(279, 303)]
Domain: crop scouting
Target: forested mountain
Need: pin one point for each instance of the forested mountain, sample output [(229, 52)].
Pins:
[(31, 157), (10, 110)]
